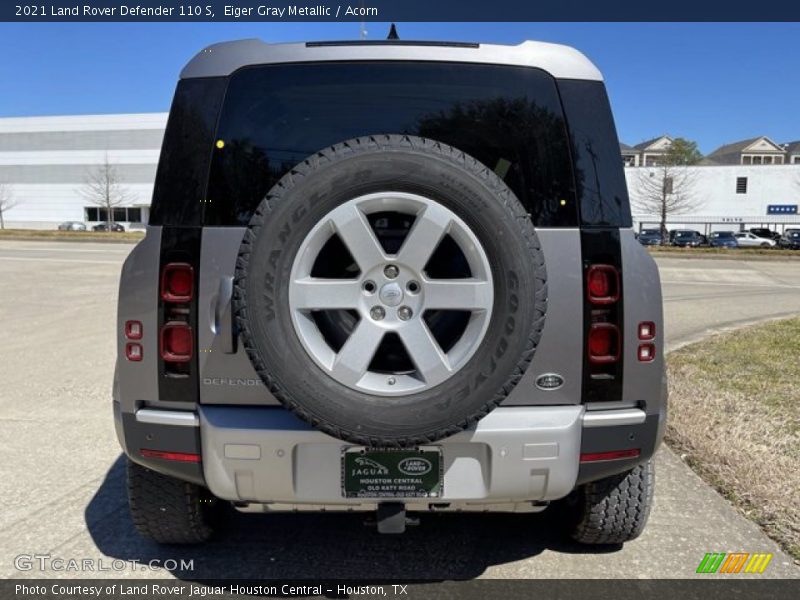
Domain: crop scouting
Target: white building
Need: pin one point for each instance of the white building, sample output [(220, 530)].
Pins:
[(45, 161), (729, 197)]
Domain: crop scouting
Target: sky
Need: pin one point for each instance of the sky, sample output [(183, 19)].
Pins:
[(713, 83)]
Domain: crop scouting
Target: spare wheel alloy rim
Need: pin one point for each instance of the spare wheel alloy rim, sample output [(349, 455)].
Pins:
[(437, 316)]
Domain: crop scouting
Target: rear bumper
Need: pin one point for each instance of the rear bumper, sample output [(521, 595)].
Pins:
[(513, 459)]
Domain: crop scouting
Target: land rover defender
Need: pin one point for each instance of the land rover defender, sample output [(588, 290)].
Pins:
[(391, 277)]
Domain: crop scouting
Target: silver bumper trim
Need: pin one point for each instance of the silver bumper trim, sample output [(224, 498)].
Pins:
[(610, 418), (182, 418), (267, 455)]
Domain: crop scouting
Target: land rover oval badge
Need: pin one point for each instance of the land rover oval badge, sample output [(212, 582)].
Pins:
[(549, 381)]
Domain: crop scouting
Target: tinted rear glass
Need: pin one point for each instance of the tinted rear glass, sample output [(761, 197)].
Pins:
[(509, 118), (599, 176), (180, 186)]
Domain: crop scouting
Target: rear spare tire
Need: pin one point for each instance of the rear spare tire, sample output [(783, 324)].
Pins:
[(390, 290)]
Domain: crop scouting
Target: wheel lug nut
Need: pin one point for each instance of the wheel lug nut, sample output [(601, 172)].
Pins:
[(404, 313), (377, 313), (391, 271)]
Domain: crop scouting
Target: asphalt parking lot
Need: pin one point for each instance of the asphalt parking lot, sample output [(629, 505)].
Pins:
[(63, 491)]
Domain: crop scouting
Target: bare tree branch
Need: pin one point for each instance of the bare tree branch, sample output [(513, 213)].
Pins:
[(7, 202), (664, 191), (103, 188)]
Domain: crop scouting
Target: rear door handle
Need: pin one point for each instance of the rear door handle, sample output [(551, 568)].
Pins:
[(223, 316)]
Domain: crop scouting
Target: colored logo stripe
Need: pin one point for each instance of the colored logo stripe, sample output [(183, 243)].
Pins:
[(758, 563), (721, 562)]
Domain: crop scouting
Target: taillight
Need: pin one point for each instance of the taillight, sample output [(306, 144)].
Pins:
[(176, 342), (133, 330), (176, 456), (133, 352), (604, 343), (647, 330), (177, 282), (611, 455), (602, 284), (646, 352)]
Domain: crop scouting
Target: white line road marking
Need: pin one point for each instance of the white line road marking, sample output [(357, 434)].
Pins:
[(62, 260), (741, 285)]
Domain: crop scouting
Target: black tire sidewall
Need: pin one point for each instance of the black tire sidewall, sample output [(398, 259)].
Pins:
[(284, 220)]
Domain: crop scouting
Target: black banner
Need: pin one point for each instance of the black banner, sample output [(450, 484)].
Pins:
[(722, 588), (397, 10)]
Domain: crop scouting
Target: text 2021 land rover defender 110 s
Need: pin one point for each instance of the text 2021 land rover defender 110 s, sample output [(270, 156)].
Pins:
[(394, 276)]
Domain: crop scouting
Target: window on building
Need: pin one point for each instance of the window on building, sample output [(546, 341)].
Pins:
[(96, 213), (741, 185), (767, 160), (629, 161), (756, 160), (667, 185), (796, 160), (747, 160)]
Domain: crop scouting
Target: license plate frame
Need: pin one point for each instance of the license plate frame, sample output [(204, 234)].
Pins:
[(392, 472)]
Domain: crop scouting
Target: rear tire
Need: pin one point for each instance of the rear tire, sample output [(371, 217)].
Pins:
[(614, 510), (765, 245), (168, 510)]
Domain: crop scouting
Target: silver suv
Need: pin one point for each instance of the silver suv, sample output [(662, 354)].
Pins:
[(390, 277)]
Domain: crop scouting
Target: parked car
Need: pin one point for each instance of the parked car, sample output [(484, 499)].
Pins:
[(790, 239), (765, 233), (650, 237), (688, 238), (722, 239), (105, 227), (72, 226), (387, 334), (745, 239)]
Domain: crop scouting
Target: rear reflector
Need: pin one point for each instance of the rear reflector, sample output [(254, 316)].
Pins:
[(177, 282), (646, 352), (602, 284), (176, 456), (612, 455), (133, 330), (647, 330), (604, 343), (176, 342), (133, 351)]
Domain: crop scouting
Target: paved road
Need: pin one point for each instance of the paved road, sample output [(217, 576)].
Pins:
[(62, 484)]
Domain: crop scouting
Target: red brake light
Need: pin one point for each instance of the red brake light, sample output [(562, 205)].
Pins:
[(176, 342), (647, 330), (176, 456), (133, 330), (604, 343), (177, 282), (612, 455), (133, 352), (602, 284)]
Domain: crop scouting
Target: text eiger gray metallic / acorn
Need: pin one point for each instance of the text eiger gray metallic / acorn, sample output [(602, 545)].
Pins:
[(389, 277)]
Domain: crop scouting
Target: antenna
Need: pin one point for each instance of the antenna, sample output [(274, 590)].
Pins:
[(362, 30), (393, 33)]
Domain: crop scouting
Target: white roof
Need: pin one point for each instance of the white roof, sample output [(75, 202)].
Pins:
[(223, 59)]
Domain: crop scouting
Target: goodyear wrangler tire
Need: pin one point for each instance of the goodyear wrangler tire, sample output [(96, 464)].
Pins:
[(390, 290)]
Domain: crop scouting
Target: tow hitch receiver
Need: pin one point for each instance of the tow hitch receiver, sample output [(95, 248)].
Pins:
[(391, 517)]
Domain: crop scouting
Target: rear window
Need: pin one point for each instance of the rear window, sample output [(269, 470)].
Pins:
[(509, 118)]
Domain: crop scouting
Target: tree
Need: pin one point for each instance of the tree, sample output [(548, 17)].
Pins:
[(667, 189), (103, 188), (7, 202), (683, 152)]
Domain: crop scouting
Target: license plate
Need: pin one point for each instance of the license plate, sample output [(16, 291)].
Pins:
[(368, 473)]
